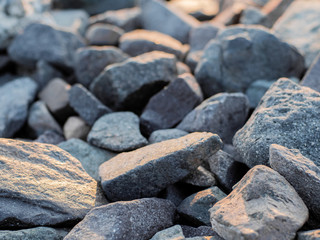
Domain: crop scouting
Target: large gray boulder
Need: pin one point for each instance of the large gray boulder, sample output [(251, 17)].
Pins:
[(288, 116), (263, 205), (156, 166), (240, 55)]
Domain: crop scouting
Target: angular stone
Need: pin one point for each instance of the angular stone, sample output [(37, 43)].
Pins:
[(182, 68), (15, 98), (252, 15), (309, 235), (137, 219), (75, 127), (312, 78), (90, 157), (201, 177), (45, 73), (175, 193), (263, 205), (190, 232), (240, 55), (40, 42), (100, 34), (86, 104), (43, 185), (141, 41), (178, 23), (117, 132), (130, 84), (169, 106), (100, 56), (172, 233), (222, 114), (285, 110), (50, 137), (195, 208), (153, 168), (166, 134), (201, 35), (193, 58), (256, 90), (38, 233)]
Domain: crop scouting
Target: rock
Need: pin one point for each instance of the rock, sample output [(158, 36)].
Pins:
[(182, 68), (240, 55), (285, 110), (195, 208), (75, 127), (175, 193), (309, 235), (263, 205), (201, 177), (252, 15), (42, 182), (137, 219), (193, 58), (4, 61), (34, 234), (100, 34), (166, 134), (127, 19), (201, 35), (117, 132), (178, 23), (155, 167), (100, 56), (169, 106), (226, 170), (301, 173), (40, 42), (190, 232), (15, 98), (50, 137), (172, 233), (141, 41), (295, 27), (90, 157), (223, 114), (256, 90), (311, 78), (45, 73), (149, 73), (9, 27), (40, 119), (86, 104)]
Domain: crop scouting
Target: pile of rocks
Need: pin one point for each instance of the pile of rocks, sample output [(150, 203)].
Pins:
[(159, 119)]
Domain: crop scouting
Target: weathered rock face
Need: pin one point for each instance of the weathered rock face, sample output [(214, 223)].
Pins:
[(130, 84), (50, 137), (172, 233), (148, 170), (241, 55), (15, 97), (138, 219), (43, 185), (263, 205), (38, 233), (100, 34), (288, 116), (166, 134), (200, 177)]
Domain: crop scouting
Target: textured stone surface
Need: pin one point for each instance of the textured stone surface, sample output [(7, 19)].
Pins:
[(288, 116), (50, 137), (240, 55), (130, 84), (190, 232), (15, 97), (263, 205), (256, 90), (311, 79), (43, 185), (309, 235), (156, 166), (222, 114), (201, 177), (38, 233), (75, 127), (100, 34), (172, 233), (45, 72), (166, 134), (201, 35), (137, 219), (117, 132)]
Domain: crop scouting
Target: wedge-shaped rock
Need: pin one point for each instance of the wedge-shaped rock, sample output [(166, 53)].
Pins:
[(42, 185), (148, 170), (263, 205)]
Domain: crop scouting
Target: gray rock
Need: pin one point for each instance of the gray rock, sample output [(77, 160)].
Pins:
[(86, 104), (311, 78), (98, 58), (47, 187), (9, 27), (175, 193), (50, 137), (256, 90), (201, 35), (195, 208), (182, 68), (90, 157), (155, 167), (201, 177), (178, 23), (45, 73), (75, 127), (285, 110), (100, 34), (222, 114), (15, 98), (40, 119), (40, 42), (172, 233), (240, 55), (137, 219), (4, 61), (301, 173), (309, 235), (117, 132), (130, 84), (193, 58), (169, 106), (252, 15), (202, 238), (38, 233), (300, 27), (166, 134), (141, 41), (190, 232), (263, 205)]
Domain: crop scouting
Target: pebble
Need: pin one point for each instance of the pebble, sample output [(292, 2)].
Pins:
[(75, 127)]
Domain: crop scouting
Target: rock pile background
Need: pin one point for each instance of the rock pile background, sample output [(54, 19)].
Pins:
[(162, 120)]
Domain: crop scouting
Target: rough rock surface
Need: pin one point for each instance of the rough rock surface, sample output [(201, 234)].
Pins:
[(172, 233), (50, 137), (263, 205), (201, 177), (311, 78), (136, 220), (100, 34), (38, 233), (190, 232), (156, 166), (285, 110), (166, 134)]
